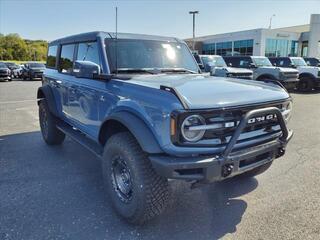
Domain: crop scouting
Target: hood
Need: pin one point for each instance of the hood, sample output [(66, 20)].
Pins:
[(203, 91), (309, 69), (238, 70), (288, 70)]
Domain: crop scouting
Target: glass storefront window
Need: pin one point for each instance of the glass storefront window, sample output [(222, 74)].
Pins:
[(243, 47), (304, 48), (209, 48), (279, 48), (294, 49), (224, 48)]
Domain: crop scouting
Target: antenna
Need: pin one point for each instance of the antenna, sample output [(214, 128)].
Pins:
[(116, 43)]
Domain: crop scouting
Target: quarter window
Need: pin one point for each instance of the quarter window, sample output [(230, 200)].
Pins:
[(66, 58), (52, 56), (88, 52)]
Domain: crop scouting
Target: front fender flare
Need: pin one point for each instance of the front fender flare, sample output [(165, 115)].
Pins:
[(138, 129)]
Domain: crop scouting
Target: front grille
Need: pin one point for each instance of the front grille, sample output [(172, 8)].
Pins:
[(290, 75), (231, 118), (242, 74)]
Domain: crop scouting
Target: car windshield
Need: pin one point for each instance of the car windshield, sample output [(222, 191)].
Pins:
[(312, 62), (298, 62), (2, 65), (36, 65), (146, 55), (214, 61), (261, 62)]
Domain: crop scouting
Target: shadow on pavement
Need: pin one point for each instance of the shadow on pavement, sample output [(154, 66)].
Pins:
[(57, 192)]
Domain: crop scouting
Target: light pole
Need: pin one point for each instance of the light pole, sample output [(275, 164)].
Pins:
[(273, 15), (193, 26)]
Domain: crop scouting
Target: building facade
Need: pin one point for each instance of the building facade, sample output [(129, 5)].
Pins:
[(303, 40)]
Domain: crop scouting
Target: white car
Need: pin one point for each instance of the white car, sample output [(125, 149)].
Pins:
[(309, 75)]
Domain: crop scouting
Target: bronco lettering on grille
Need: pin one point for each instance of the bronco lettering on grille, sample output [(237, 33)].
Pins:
[(261, 119)]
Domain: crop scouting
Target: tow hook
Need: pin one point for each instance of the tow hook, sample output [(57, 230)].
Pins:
[(281, 152), (226, 170)]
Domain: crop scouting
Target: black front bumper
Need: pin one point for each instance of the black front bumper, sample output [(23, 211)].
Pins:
[(36, 75), (228, 163), (317, 82), (5, 77), (290, 84)]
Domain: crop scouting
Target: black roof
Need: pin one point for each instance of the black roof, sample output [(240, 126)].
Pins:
[(91, 36)]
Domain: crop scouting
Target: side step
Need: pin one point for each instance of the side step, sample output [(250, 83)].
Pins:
[(81, 138)]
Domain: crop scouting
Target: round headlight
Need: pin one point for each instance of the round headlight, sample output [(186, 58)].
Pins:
[(287, 111), (189, 129)]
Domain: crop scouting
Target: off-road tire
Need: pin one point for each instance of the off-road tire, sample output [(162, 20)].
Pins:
[(256, 171), (50, 133), (150, 192), (306, 84)]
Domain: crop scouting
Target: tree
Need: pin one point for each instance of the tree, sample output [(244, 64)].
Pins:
[(13, 47)]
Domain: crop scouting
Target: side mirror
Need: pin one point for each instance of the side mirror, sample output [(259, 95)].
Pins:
[(252, 65), (208, 67), (275, 64), (292, 65), (85, 69), (230, 64), (201, 66)]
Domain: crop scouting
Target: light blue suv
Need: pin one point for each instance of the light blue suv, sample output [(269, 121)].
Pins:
[(141, 104)]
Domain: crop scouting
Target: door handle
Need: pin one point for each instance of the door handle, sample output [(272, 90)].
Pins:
[(102, 98), (59, 81)]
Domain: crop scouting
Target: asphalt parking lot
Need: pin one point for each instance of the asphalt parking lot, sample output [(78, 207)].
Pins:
[(57, 193)]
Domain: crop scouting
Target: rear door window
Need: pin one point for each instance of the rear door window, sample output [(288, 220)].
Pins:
[(245, 63), (66, 58)]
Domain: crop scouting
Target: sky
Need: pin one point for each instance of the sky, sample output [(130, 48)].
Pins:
[(49, 20)]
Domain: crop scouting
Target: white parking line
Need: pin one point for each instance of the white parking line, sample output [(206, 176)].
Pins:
[(22, 101)]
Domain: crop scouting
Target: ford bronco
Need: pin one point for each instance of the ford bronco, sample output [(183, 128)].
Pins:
[(309, 75), (216, 66), (33, 70), (263, 70), (139, 104)]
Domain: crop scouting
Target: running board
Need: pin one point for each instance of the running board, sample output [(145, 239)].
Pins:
[(81, 138)]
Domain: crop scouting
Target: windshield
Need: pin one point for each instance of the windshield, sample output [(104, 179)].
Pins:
[(133, 54), (36, 65), (214, 61), (262, 62), (298, 62), (2, 65)]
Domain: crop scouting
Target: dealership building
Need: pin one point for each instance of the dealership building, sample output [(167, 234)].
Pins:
[(302, 40)]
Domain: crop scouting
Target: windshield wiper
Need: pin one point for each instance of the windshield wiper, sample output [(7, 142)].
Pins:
[(176, 70), (136, 70)]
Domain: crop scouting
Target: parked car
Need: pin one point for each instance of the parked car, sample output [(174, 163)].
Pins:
[(216, 66), (15, 69), (314, 62), (309, 76), (264, 71), (140, 104), (5, 72), (33, 70)]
